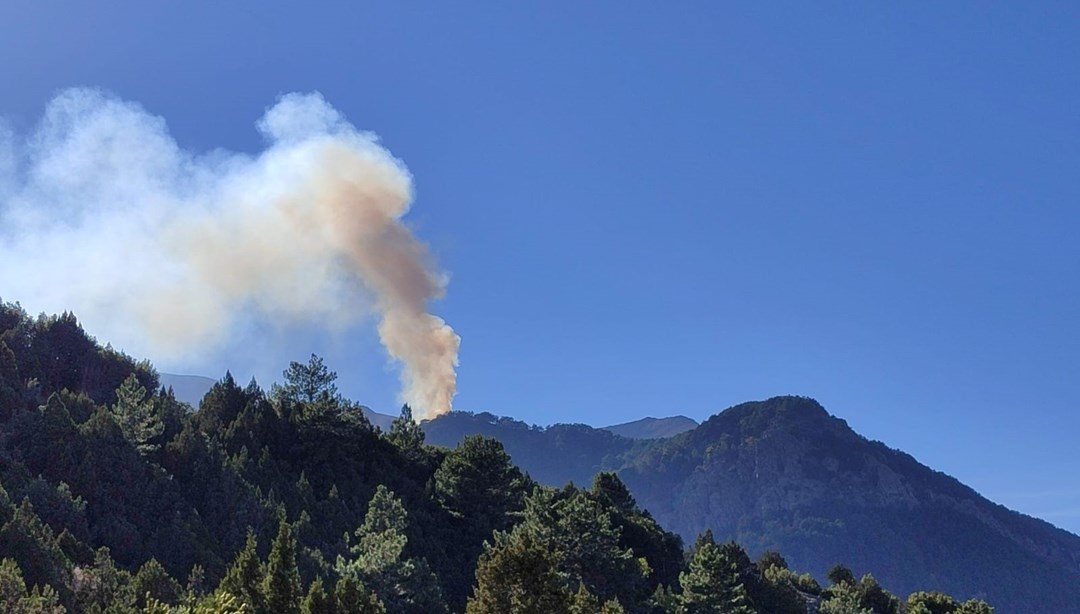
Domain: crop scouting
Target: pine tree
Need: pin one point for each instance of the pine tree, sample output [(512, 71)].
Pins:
[(196, 583), (406, 434), (351, 596), (380, 540), (153, 581), (584, 602), (517, 574), (317, 601), (12, 586), (403, 585), (103, 586), (844, 598), (281, 585), (15, 598), (932, 602), (311, 383), (137, 416), (477, 481), (586, 543), (612, 606), (244, 578), (974, 606), (713, 581)]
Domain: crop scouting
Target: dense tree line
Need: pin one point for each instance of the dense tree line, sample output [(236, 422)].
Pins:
[(115, 497)]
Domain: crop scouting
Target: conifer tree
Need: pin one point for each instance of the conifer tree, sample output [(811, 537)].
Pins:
[(712, 583), (351, 596), (317, 601), (244, 578), (406, 434), (402, 584), (281, 586), (309, 383), (15, 598), (153, 581), (137, 416), (517, 574), (844, 598)]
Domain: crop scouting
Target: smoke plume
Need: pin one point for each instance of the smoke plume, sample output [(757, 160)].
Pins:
[(165, 251)]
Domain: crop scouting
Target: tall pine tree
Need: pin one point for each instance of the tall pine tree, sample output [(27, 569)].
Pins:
[(281, 585)]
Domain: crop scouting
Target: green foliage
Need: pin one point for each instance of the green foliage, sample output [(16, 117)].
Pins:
[(844, 598), (152, 581), (482, 492), (34, 547), (244, 578), (940, 603), (351, 596), (196, 583), (102, 587), (779, 591), (840, 574), (281, 585), (137, 416), (638, 532), (587, 543), (862, 595), (219, 603), (716, 580), (771, 559), (110, 493), (404, 585), (317, 601), (311, 383), (406, 434), (974, 606), (15, 599), (477, 481), (519, 574), (380, 540), (875, 598)]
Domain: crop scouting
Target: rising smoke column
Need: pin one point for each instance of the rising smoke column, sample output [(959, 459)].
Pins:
[(164, 251)]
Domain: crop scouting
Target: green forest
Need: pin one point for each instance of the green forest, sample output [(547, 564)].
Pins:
[(116, 497)]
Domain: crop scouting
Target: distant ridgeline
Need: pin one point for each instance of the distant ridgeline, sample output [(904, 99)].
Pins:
[(115, 496), (784, 475)]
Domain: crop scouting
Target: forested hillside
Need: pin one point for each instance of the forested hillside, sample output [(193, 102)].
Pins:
[(783, 474), (116, 497)]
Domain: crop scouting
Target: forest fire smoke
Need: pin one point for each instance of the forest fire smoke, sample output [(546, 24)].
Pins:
[(163, 251)]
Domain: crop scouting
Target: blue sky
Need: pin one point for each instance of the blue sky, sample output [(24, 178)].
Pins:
[(656, 210)]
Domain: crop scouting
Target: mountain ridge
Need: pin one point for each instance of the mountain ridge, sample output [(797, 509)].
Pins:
[(785, 474), (653, 428), (137, 471)]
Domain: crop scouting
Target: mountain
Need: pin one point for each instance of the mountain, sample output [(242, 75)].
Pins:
[(113, 492), (188, 388), (784, 474), (382, 421), (653, 428), (552, 455)]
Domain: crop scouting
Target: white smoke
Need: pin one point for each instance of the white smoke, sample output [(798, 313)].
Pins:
[(165, 252)]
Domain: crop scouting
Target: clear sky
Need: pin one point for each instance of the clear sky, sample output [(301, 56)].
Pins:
[(658, 208)]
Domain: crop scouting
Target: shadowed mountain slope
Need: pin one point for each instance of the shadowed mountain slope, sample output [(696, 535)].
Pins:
[(188, 388), (784, 474), (653, 428)]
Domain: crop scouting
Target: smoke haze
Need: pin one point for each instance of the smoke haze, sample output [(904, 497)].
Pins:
[(167, 253)]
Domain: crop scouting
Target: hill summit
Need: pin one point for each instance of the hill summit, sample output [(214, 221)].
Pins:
[(784, 474)]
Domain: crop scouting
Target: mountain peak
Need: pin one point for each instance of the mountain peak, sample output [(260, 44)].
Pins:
[(653, 428), (784, 474)]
